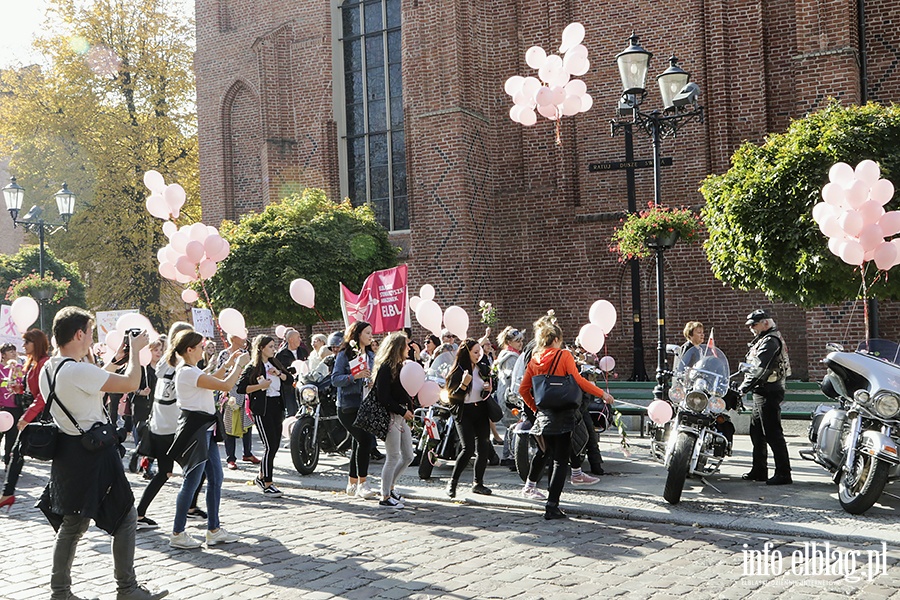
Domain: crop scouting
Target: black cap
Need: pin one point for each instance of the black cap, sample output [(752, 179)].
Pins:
[(756, 316)]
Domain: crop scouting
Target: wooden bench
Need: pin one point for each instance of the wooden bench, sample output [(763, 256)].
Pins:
[(800, 399)]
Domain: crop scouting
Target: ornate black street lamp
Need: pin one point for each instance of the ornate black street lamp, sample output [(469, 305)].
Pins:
[(679, 99), (14, 195)]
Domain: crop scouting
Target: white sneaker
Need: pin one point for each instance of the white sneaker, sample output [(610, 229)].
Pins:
[(365, 492), (351, 489), (532, 493), (390, 503), (184, 540), (220, 537)]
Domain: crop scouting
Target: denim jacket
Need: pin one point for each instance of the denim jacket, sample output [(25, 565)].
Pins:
[(349, 390)]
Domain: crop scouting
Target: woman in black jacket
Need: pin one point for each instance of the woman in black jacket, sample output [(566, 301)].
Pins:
[(263, 379), (469, 385), (391, 394)]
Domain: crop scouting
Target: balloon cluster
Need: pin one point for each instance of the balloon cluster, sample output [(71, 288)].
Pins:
[(853, 216), (592, 336), (553, 93), (193, 251), (429, 315)]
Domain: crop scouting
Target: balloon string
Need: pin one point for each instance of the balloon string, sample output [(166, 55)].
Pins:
[(865, 302), (209, 303), (321, 318)]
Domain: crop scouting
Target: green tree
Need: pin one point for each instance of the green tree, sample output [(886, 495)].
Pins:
[(26, 261), (112, 98), (759, 213), (305, 235)]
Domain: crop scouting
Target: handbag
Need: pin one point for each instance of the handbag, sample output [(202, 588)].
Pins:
[(495, 413), (38, 438), (145, 444), (373, 417), (555, 392), (24, 400)]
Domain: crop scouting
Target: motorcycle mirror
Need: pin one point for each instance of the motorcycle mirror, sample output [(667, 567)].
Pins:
[(672, 348), (834, 347)]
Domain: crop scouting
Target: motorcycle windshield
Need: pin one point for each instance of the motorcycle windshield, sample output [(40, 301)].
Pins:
[(883, 349), (704, 368)]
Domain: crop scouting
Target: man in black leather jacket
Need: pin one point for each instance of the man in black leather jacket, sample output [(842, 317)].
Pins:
[(767, 368)]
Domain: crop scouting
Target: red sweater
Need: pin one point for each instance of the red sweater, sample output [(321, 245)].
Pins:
[(32, 378)]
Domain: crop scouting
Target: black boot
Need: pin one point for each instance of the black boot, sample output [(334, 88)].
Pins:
[(451, 488), (553, 512)]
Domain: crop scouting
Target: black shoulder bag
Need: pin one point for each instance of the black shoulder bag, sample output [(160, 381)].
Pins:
[(38, 438), (555, 392)]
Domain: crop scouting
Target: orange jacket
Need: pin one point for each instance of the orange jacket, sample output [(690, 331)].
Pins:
[(540, 365)]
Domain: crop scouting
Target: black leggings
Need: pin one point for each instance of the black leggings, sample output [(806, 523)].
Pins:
[(269, 428), (540, 459), (361, 449), (559, 449), (13, 470), (164, 464), (13, 432), (473, 424)]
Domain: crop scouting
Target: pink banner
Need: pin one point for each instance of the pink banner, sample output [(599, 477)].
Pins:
[(382, 301)]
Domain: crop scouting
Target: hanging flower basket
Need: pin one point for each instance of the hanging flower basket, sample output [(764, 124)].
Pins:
[(46, 289), (639, 234)]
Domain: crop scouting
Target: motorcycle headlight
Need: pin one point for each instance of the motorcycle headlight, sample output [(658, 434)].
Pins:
[(676, 393), (717, 405), (886, 405), (862, 397), (308, 395), (696, 401)]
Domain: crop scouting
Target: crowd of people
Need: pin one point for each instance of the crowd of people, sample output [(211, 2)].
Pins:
[(189, 398)]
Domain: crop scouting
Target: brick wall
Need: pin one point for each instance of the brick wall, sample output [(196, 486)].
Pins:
[(500, 212)]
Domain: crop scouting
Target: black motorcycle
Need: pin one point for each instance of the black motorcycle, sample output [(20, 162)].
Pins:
[(317, 428), (438, 440)]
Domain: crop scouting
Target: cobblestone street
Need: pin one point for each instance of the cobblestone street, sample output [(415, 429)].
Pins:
[(321, 544)]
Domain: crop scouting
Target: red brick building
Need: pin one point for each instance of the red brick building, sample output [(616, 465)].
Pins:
[(401, 102)]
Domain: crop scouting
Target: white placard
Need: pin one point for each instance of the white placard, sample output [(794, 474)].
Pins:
[(9, 333), (106, 320), (203, 322)]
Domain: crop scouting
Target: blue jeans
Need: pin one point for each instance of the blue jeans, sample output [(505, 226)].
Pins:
[(191, 482)]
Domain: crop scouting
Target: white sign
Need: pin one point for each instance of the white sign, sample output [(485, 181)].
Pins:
[(106, 321), (203, 322), (9, 333)]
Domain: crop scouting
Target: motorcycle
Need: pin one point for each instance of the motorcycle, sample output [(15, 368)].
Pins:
[(699, 437), (438, 440), (317, 428), (857, 440)]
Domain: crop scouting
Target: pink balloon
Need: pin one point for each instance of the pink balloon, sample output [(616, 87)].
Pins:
[(412, 377), (586, 102), (882, 191), (832, 228), (161, 255), (890, 223), (457, 321), (572, 35), (133, 320), (571, 106), (221, 254), (857, 193), (544, 96), (885, 256), (190, 296), (429, 315), (182, 278), (279, 331), (868, 171), (821, 211), (145, 356), (841, 173), (550, 111), (429, 394), (576, 87), (426, 292), (851, 222), (24, 312), (870, 237), (660, 412), (535, 57), (414, 302), (513, 85), (169, 228), (852, 252), (213, 244), (592, 338), (156, 206), (174, 197), (6, 421), (168, 270), (896, 243), (185, 266), (207, 268), (603, 313), (199, 232), (527, 117), (154, 181), (871, 211), (558, 95), (232, 322), (607, 363), (114, 339), (171, 254), (194, 251), (576, 65), (303, 293), (833, 194), (180, 239), (834, 244)]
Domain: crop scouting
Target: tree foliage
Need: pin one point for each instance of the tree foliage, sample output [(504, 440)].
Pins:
[(26, 261), (113, 98), (305, 235), (759, 213)]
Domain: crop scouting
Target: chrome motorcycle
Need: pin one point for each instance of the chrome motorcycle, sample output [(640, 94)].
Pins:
[(317, 427), (857, 440), (700, 435)]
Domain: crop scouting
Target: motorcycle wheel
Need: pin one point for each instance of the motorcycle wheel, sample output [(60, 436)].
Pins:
[(524, 449), (304, 448), (678, 468), (426, 466), (857, 493)]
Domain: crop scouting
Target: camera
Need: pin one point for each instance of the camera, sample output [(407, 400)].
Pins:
[(130, 333)]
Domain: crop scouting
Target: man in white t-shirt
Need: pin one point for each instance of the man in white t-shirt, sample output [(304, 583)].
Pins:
[(77, 473)]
